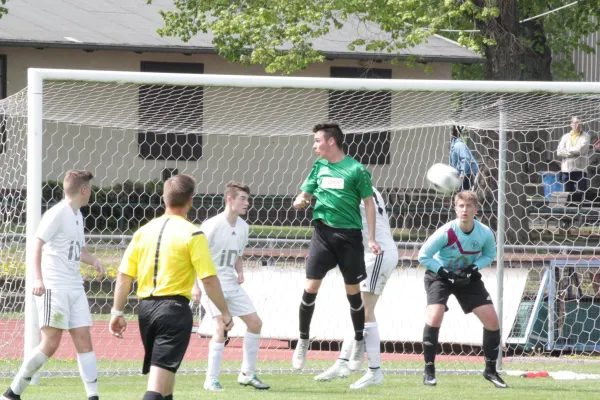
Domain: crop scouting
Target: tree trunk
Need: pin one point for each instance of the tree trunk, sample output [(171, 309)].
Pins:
[(510, 60)]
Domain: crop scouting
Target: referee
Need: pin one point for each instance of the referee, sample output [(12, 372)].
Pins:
[(165, 256)]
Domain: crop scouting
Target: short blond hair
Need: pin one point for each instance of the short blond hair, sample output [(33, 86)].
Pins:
[(75, 179), (178, 190), (467, 195)]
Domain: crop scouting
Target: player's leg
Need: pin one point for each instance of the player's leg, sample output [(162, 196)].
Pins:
[(215, 346), (50, 307), (171, 326), (349, 254), (320, 260), (247, 376), (80, 321), (475, 298), (438, 292)]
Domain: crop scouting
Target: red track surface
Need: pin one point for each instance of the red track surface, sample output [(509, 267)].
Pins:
[(130, 347)]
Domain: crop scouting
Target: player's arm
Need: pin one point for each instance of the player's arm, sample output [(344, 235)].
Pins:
[(127, 271), (488, 253), (239, 269), (89, 259), (306, 190), (118, 324), (44, 233), (464, 158), (207, 273), (370, 213), (431, 247), (38, 281)]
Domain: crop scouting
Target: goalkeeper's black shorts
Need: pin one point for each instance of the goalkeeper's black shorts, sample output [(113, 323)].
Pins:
[(469, 297), (165, 326)]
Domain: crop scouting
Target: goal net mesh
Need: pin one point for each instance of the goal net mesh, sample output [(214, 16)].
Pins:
[(133, 137)]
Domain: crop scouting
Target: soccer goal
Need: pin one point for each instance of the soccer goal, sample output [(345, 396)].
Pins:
[(134, 130)]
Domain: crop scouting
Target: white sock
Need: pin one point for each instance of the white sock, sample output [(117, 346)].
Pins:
[(251, 344), (372, 343), (28, 369), (346, 349), (89, 372), (215, 354)]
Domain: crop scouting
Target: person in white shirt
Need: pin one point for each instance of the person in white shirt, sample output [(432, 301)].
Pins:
[(227, 235), (379, 269), (59, 250), (573, 150)]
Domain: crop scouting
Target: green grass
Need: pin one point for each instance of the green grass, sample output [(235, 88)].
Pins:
[(302, 386)]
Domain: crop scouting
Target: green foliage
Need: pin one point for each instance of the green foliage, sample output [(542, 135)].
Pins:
[(279, 34)]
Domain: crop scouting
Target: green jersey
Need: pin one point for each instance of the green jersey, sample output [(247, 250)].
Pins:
[(339, 188)]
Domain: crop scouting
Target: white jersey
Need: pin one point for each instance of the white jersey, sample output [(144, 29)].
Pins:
[(383, 232), (226, 243), (62, 231)]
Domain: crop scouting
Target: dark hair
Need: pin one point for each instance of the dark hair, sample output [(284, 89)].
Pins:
[(75, 179), (455, 131), (233, 187), (178, 190), (331, 130)]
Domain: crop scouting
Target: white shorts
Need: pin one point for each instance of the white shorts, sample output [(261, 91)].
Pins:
[(238, 302), (379, 269), (63, 309)]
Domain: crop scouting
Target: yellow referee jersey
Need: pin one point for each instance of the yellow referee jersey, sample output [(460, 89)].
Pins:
[(165, 256)]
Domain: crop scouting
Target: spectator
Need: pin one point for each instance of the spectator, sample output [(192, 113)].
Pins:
[(462, 159), (573, 150)]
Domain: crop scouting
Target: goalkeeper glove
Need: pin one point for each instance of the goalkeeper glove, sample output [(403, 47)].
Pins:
[(447, 275), (464, 277)]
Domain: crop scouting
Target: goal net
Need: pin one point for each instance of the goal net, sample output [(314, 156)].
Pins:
[(135, 130)]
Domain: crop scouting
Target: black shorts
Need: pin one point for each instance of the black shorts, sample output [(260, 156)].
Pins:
[(165, 326), (331, 246), (469, 297)]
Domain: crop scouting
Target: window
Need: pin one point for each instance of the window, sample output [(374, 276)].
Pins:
[(355, 111), (3, 70), (173, 109)]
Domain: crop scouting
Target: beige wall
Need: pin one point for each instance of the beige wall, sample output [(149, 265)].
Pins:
[(271, 148)]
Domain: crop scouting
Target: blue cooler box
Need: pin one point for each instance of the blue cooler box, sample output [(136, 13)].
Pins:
[(552, 183)]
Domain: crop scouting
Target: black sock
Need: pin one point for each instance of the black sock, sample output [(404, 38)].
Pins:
[(152, 396), (307, 308), (169, 397), (357, 313), (430, 344), (491, 343)]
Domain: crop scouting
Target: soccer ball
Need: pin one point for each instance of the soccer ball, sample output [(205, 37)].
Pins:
[(443, 178)]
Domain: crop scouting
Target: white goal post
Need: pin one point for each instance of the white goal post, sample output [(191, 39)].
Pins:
[(493, 114)]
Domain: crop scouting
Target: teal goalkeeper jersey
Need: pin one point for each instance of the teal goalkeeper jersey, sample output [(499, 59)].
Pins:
[(339, 188), (453, 249)]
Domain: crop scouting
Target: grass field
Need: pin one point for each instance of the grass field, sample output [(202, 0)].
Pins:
[(302, 386)]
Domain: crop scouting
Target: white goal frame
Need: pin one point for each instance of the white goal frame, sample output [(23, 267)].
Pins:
[(36, 78)]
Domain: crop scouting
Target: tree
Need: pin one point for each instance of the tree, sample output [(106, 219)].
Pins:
[(278, 35)]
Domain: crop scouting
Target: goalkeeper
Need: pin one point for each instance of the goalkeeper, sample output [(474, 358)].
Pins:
[(453, 255)]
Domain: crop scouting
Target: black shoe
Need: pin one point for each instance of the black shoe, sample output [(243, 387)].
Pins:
[(495, 379), (429, 379), (93, 398), (10, 395)]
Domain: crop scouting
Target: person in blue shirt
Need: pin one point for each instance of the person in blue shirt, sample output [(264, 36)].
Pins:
[(453, 256), (462, 159)]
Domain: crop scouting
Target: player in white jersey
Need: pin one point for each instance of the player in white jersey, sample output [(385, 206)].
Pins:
[(227, 236), (379, 269), (59, 250)]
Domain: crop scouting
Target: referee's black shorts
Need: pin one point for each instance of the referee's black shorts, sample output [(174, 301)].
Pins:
[(331, 246), (469, 297), (165, 326)]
